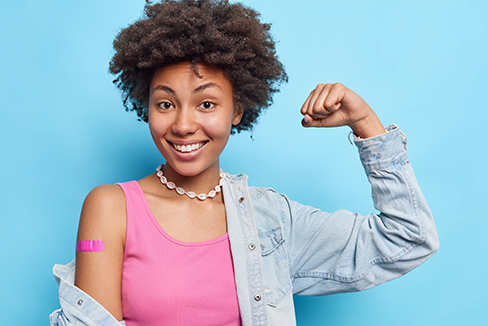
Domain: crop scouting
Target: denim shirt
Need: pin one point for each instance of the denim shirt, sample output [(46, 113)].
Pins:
[(282, 248)]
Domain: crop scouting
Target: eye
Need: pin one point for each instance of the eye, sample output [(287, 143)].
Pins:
[(207, 105), (165, 105)]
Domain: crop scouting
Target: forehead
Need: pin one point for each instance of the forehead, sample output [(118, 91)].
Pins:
[(186, 75)]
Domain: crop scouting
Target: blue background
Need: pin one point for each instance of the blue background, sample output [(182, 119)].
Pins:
[(421, 65)]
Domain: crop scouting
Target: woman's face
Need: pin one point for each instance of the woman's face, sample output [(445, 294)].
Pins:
[(190, 118)]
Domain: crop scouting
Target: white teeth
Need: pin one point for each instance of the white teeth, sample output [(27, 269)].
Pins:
[(188, 148)]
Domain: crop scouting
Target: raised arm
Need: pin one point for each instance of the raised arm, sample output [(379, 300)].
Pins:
[(345, 251), (99, 274)]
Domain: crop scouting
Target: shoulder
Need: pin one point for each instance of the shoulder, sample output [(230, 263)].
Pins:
[(259, 192), (256, 193), (105, 199), (105, 194), (103, 211)]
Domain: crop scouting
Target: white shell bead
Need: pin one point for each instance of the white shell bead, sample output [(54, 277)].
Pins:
[(212, 193), (171, 185), (202, 196), (191, 194), (180, 190)]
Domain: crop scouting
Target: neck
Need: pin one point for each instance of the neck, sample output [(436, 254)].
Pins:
[(202, 182)]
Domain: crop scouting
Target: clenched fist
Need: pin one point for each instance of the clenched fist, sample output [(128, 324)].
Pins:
[(334, 105)]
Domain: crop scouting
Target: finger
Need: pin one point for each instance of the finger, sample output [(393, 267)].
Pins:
[(326, 111), (313, 107), (334, 99), (319, 109), (320, 115), (303, 110), (331, 120), (308, 122)]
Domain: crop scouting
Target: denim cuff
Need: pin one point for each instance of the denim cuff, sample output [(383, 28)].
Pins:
[(383, 151)]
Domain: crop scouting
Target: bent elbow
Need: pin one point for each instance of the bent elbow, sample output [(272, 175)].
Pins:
[(432, 241)]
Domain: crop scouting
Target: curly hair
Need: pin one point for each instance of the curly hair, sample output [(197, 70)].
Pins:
[(229, 36)]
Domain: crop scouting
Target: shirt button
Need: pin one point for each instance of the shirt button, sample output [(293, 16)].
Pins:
[(252, 246), (80, 302), (257, 297), (241, 199)]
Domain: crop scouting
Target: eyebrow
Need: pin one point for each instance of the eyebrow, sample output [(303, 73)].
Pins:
[(199, 89), (163, 88)]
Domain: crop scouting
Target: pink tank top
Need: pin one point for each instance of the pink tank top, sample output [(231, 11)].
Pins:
[(169, 282)]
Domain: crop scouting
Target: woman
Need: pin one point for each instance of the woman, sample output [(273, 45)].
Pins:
[(191, 244)]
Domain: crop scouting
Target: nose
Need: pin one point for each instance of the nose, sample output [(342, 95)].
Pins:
[(184, 122)]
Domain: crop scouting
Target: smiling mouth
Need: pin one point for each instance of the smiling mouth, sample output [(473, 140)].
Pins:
[(188, 148)]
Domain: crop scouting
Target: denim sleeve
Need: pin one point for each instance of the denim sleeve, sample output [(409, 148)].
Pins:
[(344, 251)]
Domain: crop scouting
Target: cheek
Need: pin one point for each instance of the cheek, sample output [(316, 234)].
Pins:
[(218, 127), (157, 124), (152, 129)]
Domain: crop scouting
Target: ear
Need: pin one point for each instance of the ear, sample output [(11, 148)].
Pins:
[(238, 112)]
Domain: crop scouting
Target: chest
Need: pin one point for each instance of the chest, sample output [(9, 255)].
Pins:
[(189, 220)]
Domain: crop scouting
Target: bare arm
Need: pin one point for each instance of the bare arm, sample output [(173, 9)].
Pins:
[(99, 274)]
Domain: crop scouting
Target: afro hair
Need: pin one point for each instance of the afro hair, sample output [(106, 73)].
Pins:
[(229, 36)]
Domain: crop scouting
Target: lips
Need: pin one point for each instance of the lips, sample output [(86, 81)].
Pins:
[(188, 148)]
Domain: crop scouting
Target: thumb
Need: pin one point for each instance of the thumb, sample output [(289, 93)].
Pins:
[(308, 121), (332, 120)]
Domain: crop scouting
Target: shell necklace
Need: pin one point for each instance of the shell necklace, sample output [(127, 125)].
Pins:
[(191, 194)]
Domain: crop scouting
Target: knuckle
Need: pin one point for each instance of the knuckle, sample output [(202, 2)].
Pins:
[(317, 107), (331, 107)]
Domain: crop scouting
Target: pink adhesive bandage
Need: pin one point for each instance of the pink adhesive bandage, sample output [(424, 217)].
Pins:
[(90, 245)]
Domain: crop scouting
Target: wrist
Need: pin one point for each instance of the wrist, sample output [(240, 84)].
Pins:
[(368, 127)]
